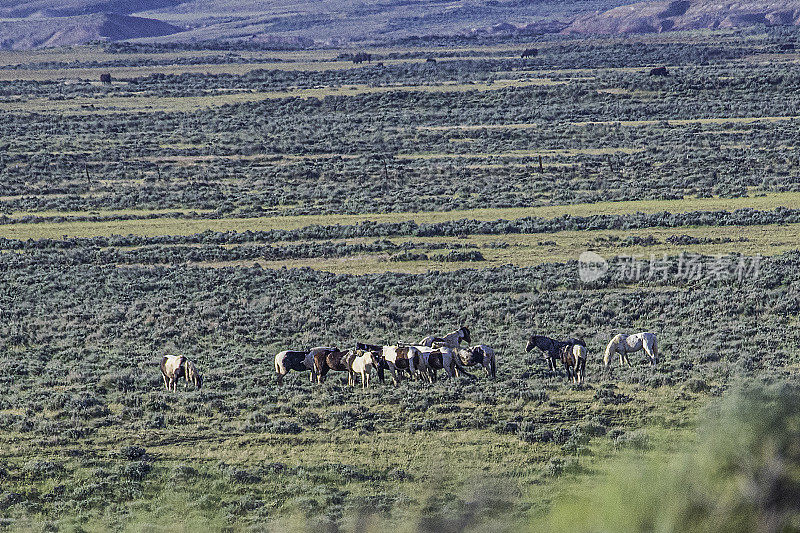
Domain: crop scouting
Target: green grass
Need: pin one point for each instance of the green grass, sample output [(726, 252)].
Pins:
[(116, 104), (168, 226)]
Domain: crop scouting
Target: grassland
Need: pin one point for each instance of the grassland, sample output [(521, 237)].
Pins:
[(168, 226), (287, 140)]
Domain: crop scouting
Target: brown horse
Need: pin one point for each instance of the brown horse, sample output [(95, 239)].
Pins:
[(336, 360)]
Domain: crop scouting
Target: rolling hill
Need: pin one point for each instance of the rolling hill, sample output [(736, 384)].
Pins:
[(40, 31), (41, 23)]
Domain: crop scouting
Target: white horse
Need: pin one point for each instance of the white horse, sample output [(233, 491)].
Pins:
[(451, 340), (624, 344), (362, 364)]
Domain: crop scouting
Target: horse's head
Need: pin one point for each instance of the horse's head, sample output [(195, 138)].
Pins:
[(465, 334), (531, 343), (610, 349), (374, 358)]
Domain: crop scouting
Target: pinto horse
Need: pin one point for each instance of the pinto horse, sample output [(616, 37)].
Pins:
[(174, 367), (624, 344), (573, 356), (400, 358), (479, 355), (551, 347), (362, 364), (438, 358)]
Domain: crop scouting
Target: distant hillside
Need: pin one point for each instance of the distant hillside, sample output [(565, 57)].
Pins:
[(650, 17), (329, 21), (68, 8), (39, 23), (41, 32)]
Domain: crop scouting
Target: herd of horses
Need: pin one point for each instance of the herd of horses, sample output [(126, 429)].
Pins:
[(424, 359)]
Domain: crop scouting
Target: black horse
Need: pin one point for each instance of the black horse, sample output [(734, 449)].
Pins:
[(551, 347)]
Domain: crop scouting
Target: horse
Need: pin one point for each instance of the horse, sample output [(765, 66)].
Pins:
[(172, 370), (400, 358), (551, 347), (479, 355), (440, 357), (363, 363), (624, 344), (193, 376), (298, 361), (174, 367), (451, 340), (377, 351), (337, 360), (573, 356)]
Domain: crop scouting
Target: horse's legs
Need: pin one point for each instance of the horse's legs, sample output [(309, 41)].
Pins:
[(652, 352), (166, 386)]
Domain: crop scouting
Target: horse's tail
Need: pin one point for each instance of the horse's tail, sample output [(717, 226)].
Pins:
[(580, 362), (655, 350)]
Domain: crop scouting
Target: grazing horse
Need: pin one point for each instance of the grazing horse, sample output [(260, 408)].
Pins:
[(450, 340), (294, 360), (193, 376), (479, 355), (399, 358), (174, 367), (336, 360), (574, 358), (551, 347), (624, 344), (172, 370), (363, 363)]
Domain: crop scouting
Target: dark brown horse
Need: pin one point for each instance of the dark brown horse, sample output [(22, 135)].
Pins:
[(336, 360), (551, 347)]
